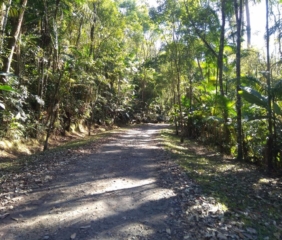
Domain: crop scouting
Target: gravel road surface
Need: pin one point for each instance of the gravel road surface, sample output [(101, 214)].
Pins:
[(121, 189)]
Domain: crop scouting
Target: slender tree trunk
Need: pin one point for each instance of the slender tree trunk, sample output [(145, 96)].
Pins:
[(238, 14), (92, 31), (178, 84), (270, 127), (180, 106), (56, 40), (15, 36), (200, 68), (5, 9), (248, 25), (279, 38), (79, 32), (18, 61), (226, 139), (191, 93), (221, 48), (175, 114), (55, 107)]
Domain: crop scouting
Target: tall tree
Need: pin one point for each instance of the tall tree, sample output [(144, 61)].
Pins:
[(221, 47), (248, 23), (15, 34), (238, 6), (4, 13), (268, 69)]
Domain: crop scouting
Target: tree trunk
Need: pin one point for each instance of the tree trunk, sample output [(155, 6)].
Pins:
[(5, 8), (178, 84), (200, 68), (226, 139), (180, 107), (175, 114), (15, 36), (221, 48), (270, 130), (79, 32), (92, 31), (238, 14), (248, 25), (54, 111)]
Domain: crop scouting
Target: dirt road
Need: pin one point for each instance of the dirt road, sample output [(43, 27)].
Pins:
[(119, 190)]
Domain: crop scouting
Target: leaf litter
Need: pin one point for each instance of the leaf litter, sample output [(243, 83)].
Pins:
[(228, 199)]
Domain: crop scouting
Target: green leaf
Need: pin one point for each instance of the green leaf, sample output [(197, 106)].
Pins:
[(253, 97), (277, 109), (250, 81), (277, 89), (6, 88)]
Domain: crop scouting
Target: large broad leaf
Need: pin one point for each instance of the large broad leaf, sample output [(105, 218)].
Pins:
[(248, 81), (251, 81), (6, 88), (277, 90), (277, 109), (254, 97)]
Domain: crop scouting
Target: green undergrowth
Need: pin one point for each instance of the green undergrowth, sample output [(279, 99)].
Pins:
[(247, 194)]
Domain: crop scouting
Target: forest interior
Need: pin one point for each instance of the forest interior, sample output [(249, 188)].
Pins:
[(77, 76)]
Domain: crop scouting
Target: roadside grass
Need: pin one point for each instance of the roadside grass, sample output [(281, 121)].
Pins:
[(247, 194)]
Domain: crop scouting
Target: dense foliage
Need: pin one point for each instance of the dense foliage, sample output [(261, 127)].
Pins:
[(104, 62)]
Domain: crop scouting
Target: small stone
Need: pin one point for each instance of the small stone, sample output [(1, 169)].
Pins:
[(73, 236)]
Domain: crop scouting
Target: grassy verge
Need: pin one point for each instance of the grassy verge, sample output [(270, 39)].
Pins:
[(248, 195)]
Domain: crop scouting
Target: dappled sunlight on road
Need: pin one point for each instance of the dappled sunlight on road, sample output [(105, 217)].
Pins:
[(110, 194), (120, 202)]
